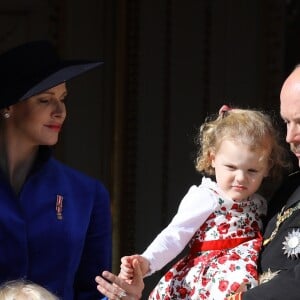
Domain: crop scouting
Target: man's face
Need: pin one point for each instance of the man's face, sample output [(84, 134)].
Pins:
[(290, 111)]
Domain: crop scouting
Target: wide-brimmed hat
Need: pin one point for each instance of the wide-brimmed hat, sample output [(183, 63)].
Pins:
[(34, 67)]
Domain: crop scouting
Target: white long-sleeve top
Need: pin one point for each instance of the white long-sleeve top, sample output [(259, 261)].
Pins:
[(194, 209)]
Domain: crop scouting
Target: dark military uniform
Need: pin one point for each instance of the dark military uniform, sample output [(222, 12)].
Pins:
[(282, 252)]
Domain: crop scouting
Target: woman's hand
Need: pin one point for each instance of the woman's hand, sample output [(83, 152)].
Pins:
[(116, 288)]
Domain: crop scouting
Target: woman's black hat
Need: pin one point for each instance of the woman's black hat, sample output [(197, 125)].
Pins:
[(34, 67)]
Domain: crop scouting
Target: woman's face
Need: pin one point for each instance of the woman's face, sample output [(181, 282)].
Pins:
[(39, 119)]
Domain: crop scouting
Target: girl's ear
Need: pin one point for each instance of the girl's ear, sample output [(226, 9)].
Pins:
[(212, 158)]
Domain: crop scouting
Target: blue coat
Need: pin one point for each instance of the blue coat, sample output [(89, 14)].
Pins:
[(61, 246)]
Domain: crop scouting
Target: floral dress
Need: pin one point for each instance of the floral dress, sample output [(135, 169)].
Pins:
[(223, 253)]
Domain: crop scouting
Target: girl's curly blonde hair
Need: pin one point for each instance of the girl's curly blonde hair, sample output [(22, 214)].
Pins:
[(251, 127)]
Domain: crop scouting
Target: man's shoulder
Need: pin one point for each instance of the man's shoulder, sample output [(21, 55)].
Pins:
[(295, 174), (283, 193), (291, 182)]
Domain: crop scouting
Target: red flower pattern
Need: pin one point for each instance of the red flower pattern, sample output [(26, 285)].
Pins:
[(168, 276), (223, 228), (198, 277), (205, 281), (182, 292), (234, 286), (223, 285), (252, 270)]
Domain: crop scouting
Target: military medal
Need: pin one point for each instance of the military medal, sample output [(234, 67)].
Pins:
[(281, 217), (291, 245)]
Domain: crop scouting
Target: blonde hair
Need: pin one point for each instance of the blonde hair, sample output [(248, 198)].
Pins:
[(250, 127), (24, 290)]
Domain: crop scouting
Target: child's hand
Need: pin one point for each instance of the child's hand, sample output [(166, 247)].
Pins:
[(126, 270)]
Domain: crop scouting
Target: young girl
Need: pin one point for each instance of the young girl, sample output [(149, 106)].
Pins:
[(221, 218)]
